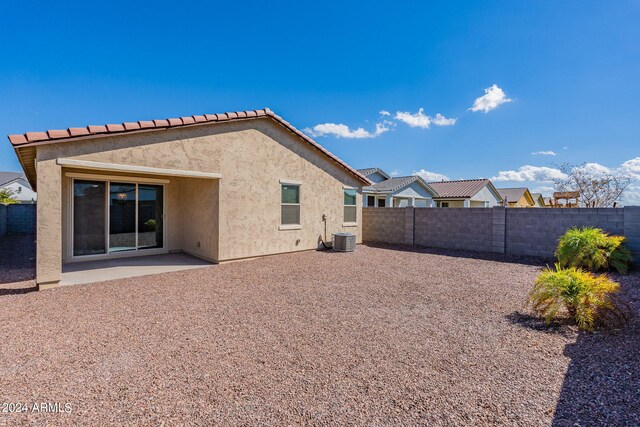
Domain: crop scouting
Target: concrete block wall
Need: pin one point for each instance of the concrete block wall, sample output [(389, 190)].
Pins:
[(535, 232), (21, 219), (632, 230), (516, 231), (3, 220), (454, 228), (388, 225)]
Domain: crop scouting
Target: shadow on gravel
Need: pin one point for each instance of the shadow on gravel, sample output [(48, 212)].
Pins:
[(560, 327), (457, 253), (17, 260), (602, 382)]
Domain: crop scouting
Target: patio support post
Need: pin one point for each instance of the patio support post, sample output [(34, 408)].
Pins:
[(49, 224)]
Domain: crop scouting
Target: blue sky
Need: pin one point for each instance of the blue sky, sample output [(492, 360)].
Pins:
[(571, 70)]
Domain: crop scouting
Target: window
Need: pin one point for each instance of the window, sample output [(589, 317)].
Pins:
[(444, 204), (381, 202), (350, 210), (371, 201), (290, 204)]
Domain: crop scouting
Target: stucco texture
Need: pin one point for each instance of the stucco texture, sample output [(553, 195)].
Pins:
[(237, 216)]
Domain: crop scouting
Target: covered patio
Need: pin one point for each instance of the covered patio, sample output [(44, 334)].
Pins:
[(121, 268)]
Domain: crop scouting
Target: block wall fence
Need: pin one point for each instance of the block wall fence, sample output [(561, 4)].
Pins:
[(17, 219), (516, 231)]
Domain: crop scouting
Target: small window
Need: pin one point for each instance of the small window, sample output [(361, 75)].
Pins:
[(371, 201), (350, 210), (19, 190), (290, 208), (381, 202), (444, 204)]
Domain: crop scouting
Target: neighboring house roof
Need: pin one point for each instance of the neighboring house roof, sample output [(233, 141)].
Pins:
[(9, 177), (512, 195), (393, 184), (461, 189), (30, 139), (370, 171)]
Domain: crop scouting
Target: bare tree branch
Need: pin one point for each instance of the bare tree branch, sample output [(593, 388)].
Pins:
[(597, 188)]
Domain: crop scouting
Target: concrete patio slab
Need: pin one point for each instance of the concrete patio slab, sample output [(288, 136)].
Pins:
[(119, 268)]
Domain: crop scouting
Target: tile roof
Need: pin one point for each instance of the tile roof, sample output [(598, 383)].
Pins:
[(6, 177), (512, 194), (369, 171), (463, 188), (93, 131), (396, 183)]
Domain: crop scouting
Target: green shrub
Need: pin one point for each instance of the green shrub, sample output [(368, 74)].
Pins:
[(587, 298), (592, 249)]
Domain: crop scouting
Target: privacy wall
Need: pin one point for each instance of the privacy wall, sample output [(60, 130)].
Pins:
[(17, 219), (516, 231)]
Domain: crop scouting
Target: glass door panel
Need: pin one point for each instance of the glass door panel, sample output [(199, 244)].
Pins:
[(122, 217), (150, 216), (89, 215)]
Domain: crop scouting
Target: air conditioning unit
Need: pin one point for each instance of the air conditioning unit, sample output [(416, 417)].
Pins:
[(344, 242)]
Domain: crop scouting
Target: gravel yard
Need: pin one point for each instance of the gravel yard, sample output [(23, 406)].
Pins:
[(381, 336)]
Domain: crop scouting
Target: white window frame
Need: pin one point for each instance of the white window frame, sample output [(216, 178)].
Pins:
[(108, 179), (355, 205), (299, 204)]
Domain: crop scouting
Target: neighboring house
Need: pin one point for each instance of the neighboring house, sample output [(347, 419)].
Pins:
[(517, 197), (466, 193), (18, 186), (395, 192), (218, 186), (538, 200)]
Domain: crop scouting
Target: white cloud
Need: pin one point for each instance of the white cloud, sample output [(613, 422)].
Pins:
[(546, 190), (343, 131), (395, 172), (530, 173), (631, 168), (422, 120), (544, 153), (492, 98), (430, 176), (384, 113), (440, 120), (595, 168)]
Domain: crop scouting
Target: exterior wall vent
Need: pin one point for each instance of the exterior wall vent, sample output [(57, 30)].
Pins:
[(344, 242)]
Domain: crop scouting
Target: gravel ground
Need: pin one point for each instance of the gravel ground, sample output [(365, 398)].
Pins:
[(381, 336)]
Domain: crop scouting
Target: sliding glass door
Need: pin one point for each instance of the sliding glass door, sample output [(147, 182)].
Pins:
[(111, 217), (89, 216)]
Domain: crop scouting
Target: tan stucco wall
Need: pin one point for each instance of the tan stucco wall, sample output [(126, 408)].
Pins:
[(252, 157)]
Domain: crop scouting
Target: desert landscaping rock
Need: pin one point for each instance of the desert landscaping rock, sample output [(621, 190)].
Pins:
[(382, 336)]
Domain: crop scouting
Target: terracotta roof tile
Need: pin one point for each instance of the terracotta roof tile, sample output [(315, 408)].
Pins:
[(232, 115), (174, 122), (146, 124), (252, 113), (78, 131), (36, 136), (53, 134), (115, 128), (18, 139), (131, 125), (187, 120), (96, 129), (199, 119), (161, 123)]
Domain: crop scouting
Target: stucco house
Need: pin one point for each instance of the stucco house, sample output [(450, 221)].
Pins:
[(466, 193), (16, 183), (217, 186), (402, 191), (517, 197), (538, 200)]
